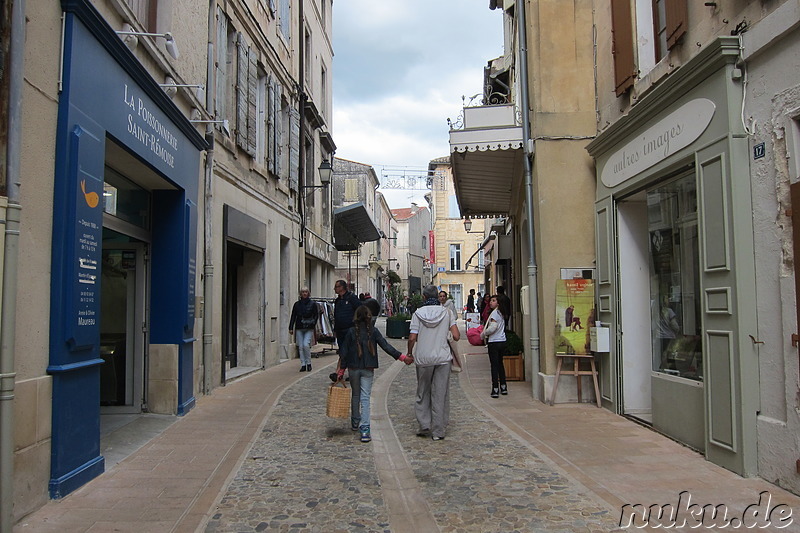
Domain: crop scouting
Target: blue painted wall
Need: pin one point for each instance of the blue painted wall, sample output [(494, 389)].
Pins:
[(108, 93)]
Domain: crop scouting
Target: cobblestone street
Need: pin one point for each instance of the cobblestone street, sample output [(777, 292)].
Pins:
[(260, 455)]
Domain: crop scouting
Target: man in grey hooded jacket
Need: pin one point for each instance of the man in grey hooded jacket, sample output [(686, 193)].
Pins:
[(429, 327)]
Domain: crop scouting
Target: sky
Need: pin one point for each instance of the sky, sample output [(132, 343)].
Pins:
[(400, 69)]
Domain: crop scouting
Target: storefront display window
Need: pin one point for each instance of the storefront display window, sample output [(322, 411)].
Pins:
[(675, 279)]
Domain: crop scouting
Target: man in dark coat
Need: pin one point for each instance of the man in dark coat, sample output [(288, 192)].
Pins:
[(471, 301), (344, 310)]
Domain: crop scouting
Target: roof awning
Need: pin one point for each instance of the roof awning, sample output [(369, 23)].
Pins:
[(486, 157), (352, 225)]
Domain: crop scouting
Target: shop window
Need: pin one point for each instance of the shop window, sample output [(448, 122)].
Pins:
[(125, 200), (675, 279)]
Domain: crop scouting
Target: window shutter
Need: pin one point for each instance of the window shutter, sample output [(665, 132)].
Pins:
[(794, 191), (622, 45), (677, 21), (252, 101), (221, 68), (241, 92), (294, 148), (271, 127), (278, 128)]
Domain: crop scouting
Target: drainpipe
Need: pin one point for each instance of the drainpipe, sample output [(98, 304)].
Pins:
[(208, 214), (16, 66), (528, 151)]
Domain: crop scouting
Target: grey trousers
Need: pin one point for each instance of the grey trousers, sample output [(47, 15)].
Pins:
[(433, 398)]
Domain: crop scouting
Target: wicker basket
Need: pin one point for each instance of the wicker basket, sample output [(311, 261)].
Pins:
[(338, 400)]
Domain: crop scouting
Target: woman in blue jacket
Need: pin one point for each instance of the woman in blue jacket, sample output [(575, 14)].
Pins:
[(359, 355)]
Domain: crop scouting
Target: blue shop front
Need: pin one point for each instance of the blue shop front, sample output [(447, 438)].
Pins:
[(124, 247)]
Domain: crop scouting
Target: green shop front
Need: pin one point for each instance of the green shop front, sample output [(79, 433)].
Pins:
[(675, 265)]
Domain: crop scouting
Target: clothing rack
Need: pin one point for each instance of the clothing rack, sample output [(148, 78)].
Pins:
[(324, 331)]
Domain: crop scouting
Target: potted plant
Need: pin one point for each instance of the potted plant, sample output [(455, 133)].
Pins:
[(398, 326), (415, 301), (514, 360)]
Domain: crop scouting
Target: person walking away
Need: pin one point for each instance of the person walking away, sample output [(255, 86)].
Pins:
[(471, 301), (479, 304), (359, 356), (344, 309), (494, 332), (447, 303), (429, 327), (302, 324)]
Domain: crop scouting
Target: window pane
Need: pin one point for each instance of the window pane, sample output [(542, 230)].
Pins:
[(453, 212), (675, 279), (125, 200)]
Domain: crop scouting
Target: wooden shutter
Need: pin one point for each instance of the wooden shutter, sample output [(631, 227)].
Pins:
[(252, 101), (241, 92), (222, 66), (795, 195), (622, 45), (676, 21), (294, 148), (278, 129), (272, 118)]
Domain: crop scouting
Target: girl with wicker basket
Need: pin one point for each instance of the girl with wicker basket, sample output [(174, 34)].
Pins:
[(359, 355)]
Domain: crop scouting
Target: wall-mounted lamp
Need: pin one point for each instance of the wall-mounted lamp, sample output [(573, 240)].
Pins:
[(468, 225), (223, 122), (325, 170), (131, 39), (171, 88)]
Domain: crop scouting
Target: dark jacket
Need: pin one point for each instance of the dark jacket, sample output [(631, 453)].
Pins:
[(304, 313), (344, 309), (349, 349)]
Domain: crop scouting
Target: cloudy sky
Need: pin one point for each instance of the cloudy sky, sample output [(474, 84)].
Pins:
[(400, 70)]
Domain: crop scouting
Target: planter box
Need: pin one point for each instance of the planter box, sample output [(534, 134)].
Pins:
[(515, 367), (398, 329)]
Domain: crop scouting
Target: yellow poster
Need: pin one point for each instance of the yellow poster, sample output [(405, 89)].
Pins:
[(575, 314)]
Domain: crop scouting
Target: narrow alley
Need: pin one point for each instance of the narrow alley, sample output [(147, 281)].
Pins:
[(260, 455)]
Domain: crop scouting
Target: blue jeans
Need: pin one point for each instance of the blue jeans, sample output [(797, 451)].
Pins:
[(303, 338), (361, 383)]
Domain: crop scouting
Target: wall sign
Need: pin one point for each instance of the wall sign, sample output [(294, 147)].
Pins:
[(759, 151), (665, 138)]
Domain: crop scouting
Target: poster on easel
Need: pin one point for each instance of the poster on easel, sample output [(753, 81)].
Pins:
[(575, 314)]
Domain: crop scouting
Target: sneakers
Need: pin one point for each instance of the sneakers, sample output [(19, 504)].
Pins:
[(495, 392), (503, 387), (424, 433), (303, 368), (308, 368), (365, 436), (437, 438), (354, 425)]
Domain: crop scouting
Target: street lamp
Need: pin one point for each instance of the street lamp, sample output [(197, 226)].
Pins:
[(467, 224), (325, 170)]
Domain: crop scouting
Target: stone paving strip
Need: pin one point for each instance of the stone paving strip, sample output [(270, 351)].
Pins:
[(307, 472)]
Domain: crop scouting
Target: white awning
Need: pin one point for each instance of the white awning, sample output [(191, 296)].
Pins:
[(486, 156)]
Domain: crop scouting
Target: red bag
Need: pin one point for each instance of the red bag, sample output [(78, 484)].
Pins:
[(474, 336)]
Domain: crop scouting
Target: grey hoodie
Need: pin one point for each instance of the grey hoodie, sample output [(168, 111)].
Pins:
[(431, 324)]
